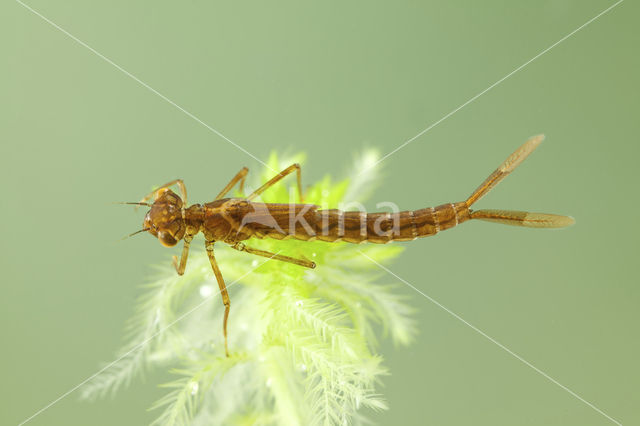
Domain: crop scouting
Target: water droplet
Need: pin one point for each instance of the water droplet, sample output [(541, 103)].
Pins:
[(268, 383), (314, 254), (194, 388), (206, 291), (299, 303), (254, 263), (303, 367)]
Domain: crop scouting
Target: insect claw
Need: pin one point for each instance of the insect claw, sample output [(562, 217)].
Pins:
[(311, 264)]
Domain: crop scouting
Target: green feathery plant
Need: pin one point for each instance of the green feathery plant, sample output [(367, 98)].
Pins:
[(302, 342)]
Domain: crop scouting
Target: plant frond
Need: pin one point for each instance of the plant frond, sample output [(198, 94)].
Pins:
[(303, 342)]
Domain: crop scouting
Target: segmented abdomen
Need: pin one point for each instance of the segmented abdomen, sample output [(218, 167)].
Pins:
[(305, 222), (385, 227)]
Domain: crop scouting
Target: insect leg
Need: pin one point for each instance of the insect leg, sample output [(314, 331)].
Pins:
[(240, 176), (278, 177), (301, 262), (179, 182), (185, 253), (223, 290)]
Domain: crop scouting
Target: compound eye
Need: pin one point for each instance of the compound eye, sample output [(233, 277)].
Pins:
[(166, 239), (148, 225)]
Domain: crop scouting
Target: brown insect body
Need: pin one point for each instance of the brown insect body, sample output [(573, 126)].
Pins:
[(234, 220), (237, 220)]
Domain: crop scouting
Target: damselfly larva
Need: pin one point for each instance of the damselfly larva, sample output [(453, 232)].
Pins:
[(234, 220)]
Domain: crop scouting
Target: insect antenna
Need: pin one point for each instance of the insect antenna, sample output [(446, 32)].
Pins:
[(134, 233), (132, 203)]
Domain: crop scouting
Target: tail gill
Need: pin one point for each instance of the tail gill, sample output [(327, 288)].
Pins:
[(511, 217)]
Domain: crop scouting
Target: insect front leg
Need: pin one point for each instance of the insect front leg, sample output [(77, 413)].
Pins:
[(240, 176), (223, 290), (179, 182), (185, 254), (277, 178), (302, 262)]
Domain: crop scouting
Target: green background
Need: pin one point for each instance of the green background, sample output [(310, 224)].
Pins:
[(330, 78)]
